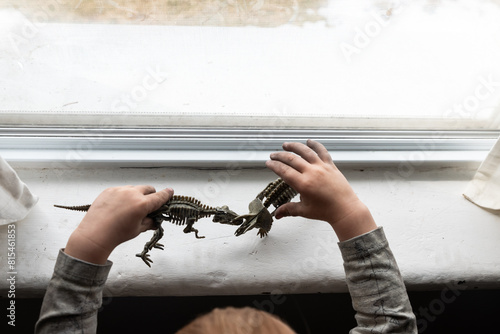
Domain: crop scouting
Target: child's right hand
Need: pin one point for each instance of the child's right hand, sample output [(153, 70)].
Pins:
[(325, 193)]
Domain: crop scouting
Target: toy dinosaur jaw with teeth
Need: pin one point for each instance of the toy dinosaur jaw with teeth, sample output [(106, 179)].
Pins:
[(224, 215)]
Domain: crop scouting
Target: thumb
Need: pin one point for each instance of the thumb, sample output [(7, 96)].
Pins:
[(147, 224), (157, 199), (289, 209)]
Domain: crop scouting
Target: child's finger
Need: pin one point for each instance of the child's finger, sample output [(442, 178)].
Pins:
[(320, 150), (289, 209), (294, 161), (287, 173), (145, 189), (303, 151)]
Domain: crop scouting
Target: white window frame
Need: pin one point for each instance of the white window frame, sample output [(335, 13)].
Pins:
[(66, 137)]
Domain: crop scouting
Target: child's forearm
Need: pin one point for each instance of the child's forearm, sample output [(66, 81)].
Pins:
[(75, 290), (377, 289), (359, 221), (73, 297), (83, 248)]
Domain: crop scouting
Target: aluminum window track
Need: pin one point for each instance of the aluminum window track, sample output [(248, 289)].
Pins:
[(59, 147)]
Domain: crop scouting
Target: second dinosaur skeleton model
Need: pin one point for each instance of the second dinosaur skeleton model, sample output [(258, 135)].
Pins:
[(179, 210), (276, 193)]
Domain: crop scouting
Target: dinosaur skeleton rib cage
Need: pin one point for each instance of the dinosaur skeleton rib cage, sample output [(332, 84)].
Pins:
[(280, 193), (181, 209)]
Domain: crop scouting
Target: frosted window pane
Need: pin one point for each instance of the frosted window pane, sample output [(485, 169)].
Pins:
[(297, 59)]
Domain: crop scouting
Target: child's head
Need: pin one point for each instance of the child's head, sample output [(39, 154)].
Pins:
[(236, 321)]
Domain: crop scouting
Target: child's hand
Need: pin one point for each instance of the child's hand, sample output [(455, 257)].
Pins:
[(325, 193), (117, 215)]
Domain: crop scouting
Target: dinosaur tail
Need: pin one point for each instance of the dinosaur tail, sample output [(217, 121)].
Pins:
[(74, 208)]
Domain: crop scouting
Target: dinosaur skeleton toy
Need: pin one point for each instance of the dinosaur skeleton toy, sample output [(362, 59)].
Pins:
[(179, 210), (276, 193), (183, 210)]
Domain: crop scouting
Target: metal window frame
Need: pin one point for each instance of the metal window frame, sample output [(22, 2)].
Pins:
[(64, 147)]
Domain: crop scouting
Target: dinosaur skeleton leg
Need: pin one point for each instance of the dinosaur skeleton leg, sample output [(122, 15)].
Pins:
[(153, 243), (189, 228)]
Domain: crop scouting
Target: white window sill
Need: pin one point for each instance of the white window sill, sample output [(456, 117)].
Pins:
[(437, 236)]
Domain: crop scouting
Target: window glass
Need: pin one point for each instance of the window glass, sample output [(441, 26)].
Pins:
[(237, 63)]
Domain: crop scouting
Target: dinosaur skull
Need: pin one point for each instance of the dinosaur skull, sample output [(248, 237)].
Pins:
[(225, 216)]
